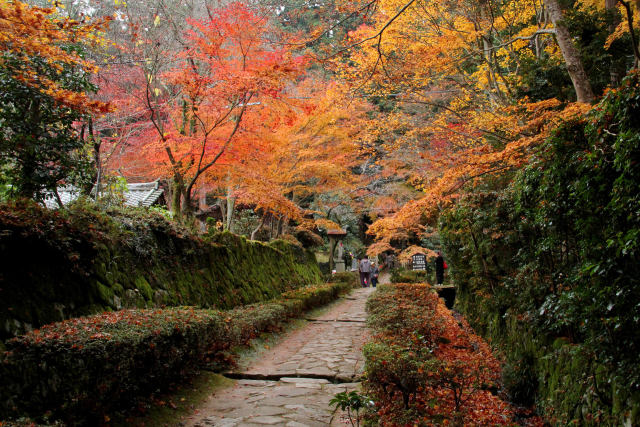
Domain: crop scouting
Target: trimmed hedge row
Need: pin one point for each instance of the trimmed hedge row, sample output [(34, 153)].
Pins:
[(426, 367), (409, 276), (81, 369), (346, 276)]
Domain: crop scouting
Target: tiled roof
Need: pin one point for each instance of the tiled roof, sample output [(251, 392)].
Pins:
[(143, 194), (67, 195)]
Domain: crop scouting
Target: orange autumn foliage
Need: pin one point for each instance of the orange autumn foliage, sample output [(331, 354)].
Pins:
[(447, 67), (301, 147), (206, 110), (453, 169), (29, 34)]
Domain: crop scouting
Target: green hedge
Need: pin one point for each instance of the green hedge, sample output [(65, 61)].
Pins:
[(81, 369), (409, 276), (347, 276), (82, 260)]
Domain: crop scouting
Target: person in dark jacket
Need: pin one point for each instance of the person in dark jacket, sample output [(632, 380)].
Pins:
[(439, 269), (365, 272), (375, 272)]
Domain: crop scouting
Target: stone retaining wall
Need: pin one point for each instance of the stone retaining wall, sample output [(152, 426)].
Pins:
[(58, 265)]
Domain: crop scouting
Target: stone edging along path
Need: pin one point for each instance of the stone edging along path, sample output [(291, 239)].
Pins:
[(292, 383)]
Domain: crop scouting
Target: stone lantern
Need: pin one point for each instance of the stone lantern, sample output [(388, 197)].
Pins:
[(335, 238)]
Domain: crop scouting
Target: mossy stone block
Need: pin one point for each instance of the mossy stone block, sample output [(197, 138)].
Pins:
[(106, 293), (144, 287)]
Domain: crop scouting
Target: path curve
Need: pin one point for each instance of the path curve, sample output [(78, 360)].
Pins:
[(292, 383)]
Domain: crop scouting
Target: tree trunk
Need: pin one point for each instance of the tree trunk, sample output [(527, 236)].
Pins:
[(271, 226), (632, 33), (572, 59), (27, 188), (487, 53), (279, 228), (187, 207), (257, 229), (613, 20), (176, 198), (231, 202), (332, 249), (96, 158), (183, 126), (58, 199), (284, 226), (27, 164), (492, 85), (223, 211)]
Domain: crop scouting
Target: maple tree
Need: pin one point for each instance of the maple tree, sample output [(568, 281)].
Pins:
[(228, 69), (321, 150), (290, 148), (299, 156), (248, 175)]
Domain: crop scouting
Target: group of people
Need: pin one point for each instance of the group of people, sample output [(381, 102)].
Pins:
[(369, 272)]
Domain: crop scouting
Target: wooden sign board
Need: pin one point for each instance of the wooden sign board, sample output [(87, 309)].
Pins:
[(419, 262)]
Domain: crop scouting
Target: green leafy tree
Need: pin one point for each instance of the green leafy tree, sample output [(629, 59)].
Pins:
[(39, 145)]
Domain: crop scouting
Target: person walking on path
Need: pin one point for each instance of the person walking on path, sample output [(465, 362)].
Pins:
[(375, 271), (365, 272), (440, 267)]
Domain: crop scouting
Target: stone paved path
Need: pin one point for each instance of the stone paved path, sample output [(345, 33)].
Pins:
[(292, 383)]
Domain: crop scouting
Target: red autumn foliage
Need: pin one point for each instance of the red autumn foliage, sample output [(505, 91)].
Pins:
[(426, 366)]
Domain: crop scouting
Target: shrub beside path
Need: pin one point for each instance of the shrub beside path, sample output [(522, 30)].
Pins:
[(292, 383)]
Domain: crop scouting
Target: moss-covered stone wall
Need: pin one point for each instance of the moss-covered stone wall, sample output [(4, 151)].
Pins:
[(58, 265), (564, 381)]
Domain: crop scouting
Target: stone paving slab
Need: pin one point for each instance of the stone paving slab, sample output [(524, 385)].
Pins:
[(352, 310), (328, 348), (282, 403)]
